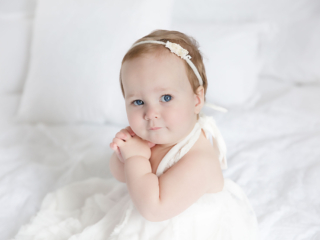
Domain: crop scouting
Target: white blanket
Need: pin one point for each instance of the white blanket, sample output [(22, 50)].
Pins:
[(272, 150)]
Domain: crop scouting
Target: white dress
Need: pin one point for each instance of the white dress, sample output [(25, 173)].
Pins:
[(101, 209)]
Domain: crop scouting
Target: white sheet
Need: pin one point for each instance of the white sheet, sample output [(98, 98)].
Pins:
[(272, 150)]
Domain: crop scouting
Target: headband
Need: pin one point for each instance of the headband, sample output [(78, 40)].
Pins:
[(183, 53)]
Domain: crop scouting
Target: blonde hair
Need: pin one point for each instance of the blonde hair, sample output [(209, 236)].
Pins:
[(187, 42)]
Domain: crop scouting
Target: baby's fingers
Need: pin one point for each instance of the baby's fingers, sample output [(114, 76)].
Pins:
[(151, 145), (113, 146), (119, 142), (123, 134), (117, 151), (132, 133)]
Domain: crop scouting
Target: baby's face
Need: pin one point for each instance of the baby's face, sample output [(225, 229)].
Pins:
[(158, 94)]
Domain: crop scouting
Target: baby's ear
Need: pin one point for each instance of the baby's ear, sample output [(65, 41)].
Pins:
[(200, 91), (199, 99)]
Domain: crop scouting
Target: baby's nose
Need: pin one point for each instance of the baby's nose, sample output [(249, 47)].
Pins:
[(151, 113)]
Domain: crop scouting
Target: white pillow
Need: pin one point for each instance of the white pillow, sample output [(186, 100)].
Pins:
[(232, 60), (76, 56), (16, 18), (243, 10), (17, 7), (293, 54)]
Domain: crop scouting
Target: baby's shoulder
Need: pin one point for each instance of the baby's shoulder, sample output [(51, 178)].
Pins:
[(208, 154), (204, 147)]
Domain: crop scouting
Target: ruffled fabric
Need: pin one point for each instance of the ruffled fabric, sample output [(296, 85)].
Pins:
[(210, 128), (102, 209)]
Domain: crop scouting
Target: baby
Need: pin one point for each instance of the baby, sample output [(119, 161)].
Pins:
[(163, 101), (171, 169), (174, 187)]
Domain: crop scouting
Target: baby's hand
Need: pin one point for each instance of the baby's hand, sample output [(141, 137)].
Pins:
[(133, 146), (122, 134), (125, 134)]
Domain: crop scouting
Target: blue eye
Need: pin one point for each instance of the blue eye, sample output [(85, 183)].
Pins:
[(167, 97), (139, 101)]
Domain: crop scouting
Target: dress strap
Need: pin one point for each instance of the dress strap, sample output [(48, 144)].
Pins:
[(181, 148), (209, 126), (215, 107)]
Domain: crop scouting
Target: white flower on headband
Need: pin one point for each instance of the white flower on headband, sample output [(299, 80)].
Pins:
[(177, 49)]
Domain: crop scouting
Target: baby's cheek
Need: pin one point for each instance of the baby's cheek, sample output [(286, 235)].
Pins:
[(175, 119), (136, 124), (133, 121), (179, 115)]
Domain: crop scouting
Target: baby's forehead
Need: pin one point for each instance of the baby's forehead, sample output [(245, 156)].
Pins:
[(155, 90), (150, 74)]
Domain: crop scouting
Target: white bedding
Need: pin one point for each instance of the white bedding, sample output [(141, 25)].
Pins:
[(272, 151)]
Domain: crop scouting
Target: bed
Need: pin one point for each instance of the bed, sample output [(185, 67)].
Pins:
[(272, 152)]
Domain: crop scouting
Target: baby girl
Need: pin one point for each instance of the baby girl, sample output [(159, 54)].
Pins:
[(170, 158), (164, 95)]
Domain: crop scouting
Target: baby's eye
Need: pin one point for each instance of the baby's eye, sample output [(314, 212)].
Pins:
[(139, 102), (166, 97)]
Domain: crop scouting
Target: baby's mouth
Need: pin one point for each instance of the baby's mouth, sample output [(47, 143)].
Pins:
[(155, 128)]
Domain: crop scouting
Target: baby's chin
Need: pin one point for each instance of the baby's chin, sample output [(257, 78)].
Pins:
[(154, 140), (157, 141)]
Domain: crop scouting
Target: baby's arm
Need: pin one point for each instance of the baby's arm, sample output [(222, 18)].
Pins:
[(159, 199), (116, 163), (117, 168)]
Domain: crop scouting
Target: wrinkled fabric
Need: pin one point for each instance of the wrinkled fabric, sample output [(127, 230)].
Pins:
[(102, 208)]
